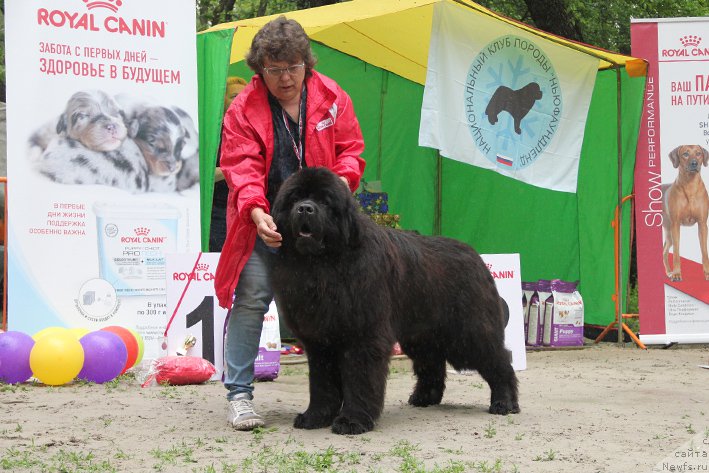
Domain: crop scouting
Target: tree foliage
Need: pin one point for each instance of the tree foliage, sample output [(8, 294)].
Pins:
[(602, 23)]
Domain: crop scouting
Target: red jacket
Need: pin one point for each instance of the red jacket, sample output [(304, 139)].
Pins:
[(333, 139)]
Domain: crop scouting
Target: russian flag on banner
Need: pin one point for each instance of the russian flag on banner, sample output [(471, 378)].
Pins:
[(505, 99), (504, 160)]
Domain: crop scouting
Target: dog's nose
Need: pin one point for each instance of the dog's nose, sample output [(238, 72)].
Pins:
[(694, 164), (306, 208)]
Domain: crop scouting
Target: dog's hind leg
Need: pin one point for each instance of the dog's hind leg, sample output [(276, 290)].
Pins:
[(325, 390), (499, 374), (430, 370), (364, 371)]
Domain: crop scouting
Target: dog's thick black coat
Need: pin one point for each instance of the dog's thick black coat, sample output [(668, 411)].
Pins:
[(349, 289)]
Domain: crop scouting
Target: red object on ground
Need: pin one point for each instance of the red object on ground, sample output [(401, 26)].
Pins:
[(179, 370), (130, 342)]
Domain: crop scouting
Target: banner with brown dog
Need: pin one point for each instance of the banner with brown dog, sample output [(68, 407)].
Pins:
[(672, 203)]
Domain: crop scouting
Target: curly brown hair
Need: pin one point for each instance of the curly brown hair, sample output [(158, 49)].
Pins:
[(280, 40)]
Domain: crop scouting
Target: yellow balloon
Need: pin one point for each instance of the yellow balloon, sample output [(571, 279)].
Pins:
[(79, 332), (48, 331), (141, 346), (57, 358)]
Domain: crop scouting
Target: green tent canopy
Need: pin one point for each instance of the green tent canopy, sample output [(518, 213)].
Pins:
[(377, 51)]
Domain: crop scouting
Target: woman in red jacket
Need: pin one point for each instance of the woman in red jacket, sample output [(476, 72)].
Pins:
[(288, 117)]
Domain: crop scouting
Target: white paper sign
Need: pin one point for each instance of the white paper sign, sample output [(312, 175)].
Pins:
[(505, 269), (193, 309)]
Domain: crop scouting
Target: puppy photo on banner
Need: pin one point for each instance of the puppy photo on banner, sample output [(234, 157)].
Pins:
[(118, 141), (502, 99)]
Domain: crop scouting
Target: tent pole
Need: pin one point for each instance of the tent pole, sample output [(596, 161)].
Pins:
[(382, 94), (437, 217), (619, 233)]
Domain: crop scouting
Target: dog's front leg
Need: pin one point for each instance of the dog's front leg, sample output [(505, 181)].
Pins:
[(365, 370), (325, 389), (676, 274)]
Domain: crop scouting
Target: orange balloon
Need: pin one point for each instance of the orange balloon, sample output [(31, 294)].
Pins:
[(130, 342)]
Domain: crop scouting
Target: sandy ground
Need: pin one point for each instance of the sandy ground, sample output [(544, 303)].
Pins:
[(597, 409)]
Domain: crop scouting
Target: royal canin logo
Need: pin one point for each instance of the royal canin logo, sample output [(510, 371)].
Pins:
[(202, 267), (112, 5), (690, 40), (141, 231), (93, 22), (690, 48)]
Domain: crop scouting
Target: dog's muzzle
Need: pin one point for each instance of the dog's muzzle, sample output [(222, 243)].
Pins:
[(306, 226)]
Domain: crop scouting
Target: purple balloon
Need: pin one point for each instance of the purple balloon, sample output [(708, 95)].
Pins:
[(15, 348), (105, 355)]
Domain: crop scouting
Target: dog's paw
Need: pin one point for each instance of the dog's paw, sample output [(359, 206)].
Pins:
[(503, 408), (311, 421), (344, 425), (676, 277), (431, 397)]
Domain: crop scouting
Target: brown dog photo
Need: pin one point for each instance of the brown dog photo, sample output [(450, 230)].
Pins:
[(685, 203)]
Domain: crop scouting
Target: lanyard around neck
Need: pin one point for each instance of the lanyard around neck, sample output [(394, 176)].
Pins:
[(297, 147)]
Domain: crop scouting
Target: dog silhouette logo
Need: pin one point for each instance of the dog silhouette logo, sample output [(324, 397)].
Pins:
[(513, 102)]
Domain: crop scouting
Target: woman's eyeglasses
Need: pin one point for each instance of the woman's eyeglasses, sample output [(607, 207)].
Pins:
[(279, 71)]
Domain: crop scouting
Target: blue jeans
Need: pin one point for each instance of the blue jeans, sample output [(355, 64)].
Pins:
[(253, 295)]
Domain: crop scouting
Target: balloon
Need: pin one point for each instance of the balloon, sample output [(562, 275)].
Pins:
[(130, 342), (48, 331), (57, 358), (15, 348), (79, 332), (105, 355), (141, 346)]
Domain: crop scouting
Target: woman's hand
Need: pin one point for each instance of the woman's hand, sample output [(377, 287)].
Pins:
[(266, 227)]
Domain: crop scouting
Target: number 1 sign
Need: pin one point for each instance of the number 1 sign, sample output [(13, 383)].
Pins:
[(195, 320)]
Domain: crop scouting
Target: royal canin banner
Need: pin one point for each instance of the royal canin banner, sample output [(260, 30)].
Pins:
[(671, 200), (503, 99), (103, 160)]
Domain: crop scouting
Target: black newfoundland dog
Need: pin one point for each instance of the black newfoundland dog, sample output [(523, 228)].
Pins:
[(349, 289)]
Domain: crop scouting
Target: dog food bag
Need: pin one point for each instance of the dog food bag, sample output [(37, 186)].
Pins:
[(268, 360), (544, 291), (567, 324), (548, 317), (533, 321), (528, 289)]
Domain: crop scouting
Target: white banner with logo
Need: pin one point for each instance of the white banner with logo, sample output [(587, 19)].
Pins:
[(500, 98), (102, 160)]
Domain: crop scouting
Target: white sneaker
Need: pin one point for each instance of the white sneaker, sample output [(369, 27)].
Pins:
[(241, 414)]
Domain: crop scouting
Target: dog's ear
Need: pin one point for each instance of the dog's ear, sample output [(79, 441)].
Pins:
[(706, 156), (61, 125), (134, 126), (674, 156)]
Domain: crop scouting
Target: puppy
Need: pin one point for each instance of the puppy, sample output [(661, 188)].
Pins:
[(92, 118), (68, 161), (160, 136), (169, 141), (686, 203), (517, 103)]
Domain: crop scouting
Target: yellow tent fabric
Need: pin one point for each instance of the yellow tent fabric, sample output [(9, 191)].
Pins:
[(394, 34)]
